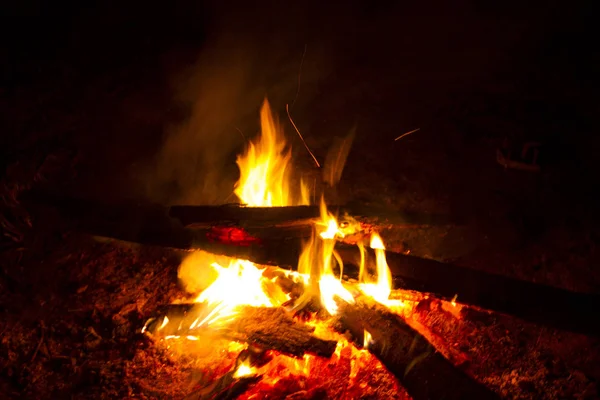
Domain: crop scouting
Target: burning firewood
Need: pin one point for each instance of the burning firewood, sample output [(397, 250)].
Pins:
[(533, 302), (537, 303), (266, 328), (425, 373)]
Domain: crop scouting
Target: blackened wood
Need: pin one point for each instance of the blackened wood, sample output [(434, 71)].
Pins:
[(185, 215), (274, 216), (423, 372), (266, 328), (152, 225), (533, 302)]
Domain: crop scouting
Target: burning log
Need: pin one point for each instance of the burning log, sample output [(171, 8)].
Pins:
[(537, 303), (266, 328), (152, 225), (423, 372)]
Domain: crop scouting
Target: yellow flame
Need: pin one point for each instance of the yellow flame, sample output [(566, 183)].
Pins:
[(244, 369), (264, 168), (380, 289), (453, 301), (241, 283), (368, 339), (164, 323), (265, 181), (317, 259)]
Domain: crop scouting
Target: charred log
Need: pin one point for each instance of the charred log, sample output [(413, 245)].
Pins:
[(265, 328), (239, 215), (536, 303), (423, 372), (272, 246), (284, 216)]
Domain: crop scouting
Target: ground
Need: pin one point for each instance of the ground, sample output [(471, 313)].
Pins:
[(144, 114)]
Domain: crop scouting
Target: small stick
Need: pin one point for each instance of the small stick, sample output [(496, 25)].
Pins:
[(37, 349), (287, 108), (407, 133)]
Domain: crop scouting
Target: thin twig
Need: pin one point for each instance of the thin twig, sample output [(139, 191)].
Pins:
[(299, 76), (301, 138), (407, 133), (37, 349)]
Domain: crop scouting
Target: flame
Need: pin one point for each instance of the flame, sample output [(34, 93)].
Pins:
[(453, 301), (264, 173), (381, 288), (241, 283), (164, 323), (244, 369), (367, 339), (225, 284), (316, 261), (265, 181)]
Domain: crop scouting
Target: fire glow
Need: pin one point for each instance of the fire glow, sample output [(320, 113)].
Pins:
[(265, 181)]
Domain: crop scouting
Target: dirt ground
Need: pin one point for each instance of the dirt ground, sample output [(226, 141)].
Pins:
[(153, 111)]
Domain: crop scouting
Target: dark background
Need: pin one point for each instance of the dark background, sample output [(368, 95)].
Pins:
[(144, 100)]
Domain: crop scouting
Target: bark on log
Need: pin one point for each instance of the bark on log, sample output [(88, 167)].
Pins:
[(266, 328), (423, 372)]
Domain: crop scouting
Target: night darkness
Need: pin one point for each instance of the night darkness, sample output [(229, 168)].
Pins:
[(147, 103)]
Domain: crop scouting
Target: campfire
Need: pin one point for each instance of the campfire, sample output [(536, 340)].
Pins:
[(308, 329), (289, 295)]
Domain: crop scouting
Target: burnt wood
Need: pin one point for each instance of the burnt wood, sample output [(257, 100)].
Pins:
[(265, 328), (533, 302), (274, 216), (422, 371), (540, 304), (152, 225)]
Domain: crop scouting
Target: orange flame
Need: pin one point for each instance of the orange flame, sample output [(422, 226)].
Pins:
[(367, 340), (264, 173), (316, 261), (382, 287), (240, 284), (225, 284), (244, 369)]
